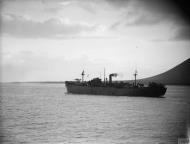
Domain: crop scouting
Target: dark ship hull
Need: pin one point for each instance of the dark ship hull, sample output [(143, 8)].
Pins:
[(113, 91)]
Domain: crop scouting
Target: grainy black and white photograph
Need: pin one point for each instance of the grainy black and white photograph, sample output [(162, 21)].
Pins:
[(94, 72)]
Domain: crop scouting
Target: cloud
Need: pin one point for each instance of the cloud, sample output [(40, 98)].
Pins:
[(181, 34), (145, 12), (56, 5), (20, 26), (118, 3), (59, 5), (144, 19), (153, 6)]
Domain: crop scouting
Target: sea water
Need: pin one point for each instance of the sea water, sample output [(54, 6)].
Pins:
[(42, 113)]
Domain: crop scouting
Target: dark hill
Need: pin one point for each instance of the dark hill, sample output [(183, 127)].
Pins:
[(179, 75)]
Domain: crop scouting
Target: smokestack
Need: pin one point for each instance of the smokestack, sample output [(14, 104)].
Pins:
[(110, 77)]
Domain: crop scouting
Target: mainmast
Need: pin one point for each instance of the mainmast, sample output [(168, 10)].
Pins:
[(82, 75), (104, 76), (135, 74)]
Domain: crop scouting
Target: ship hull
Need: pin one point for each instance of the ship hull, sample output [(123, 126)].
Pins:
[(112, 91)]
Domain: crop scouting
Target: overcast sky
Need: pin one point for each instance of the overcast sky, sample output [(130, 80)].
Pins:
[(54, 40)]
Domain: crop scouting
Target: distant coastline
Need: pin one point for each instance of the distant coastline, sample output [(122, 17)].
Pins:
[(43, 82), (179, 75)]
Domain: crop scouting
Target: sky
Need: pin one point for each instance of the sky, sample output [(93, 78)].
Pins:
[(55, 40)]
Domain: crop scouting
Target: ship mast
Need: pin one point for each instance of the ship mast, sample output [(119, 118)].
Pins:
[(135, 74), (82, 75), (104, 76)]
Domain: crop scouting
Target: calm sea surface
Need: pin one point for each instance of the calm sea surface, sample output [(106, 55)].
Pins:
[(44, 114)]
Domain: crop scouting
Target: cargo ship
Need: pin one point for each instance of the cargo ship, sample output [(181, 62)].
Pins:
[(114, 88)]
